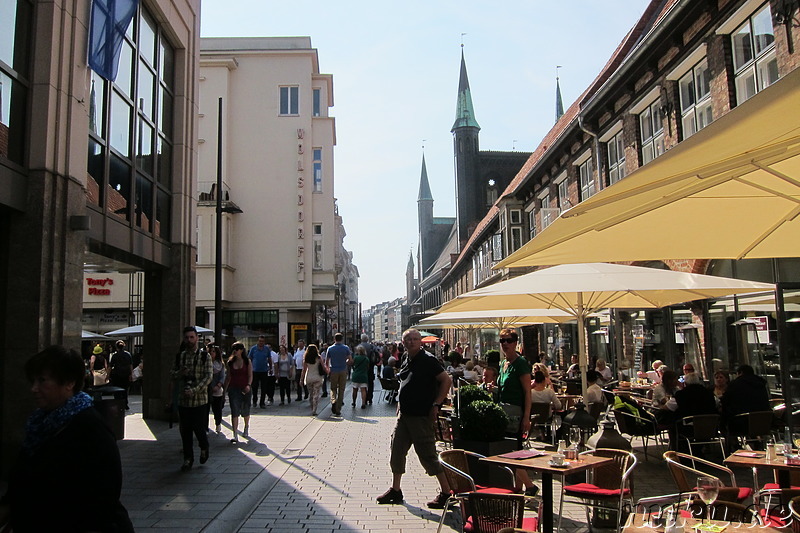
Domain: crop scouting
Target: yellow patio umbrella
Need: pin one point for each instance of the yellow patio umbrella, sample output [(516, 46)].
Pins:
[(581, 289), (735, 182)]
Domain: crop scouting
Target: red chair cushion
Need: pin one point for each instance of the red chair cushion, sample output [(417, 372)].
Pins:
[(530, 523), (775, 486), (492, 490), (587, 489), (744, 493), (773, 519)]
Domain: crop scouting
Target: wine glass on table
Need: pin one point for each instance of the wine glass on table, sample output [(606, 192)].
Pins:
[(575, 437), (708, 490), (555, 424)]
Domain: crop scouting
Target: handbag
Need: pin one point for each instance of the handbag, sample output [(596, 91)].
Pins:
[(321, 368), (514, 413), (100, 377)]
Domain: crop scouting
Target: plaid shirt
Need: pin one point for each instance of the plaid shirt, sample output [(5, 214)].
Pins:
[(201, 371)]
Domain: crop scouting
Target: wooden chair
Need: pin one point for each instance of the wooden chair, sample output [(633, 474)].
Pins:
[(607, 487), (457, 470), (685, 476)]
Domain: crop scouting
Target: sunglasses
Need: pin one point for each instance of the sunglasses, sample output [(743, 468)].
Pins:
[(505, 341)]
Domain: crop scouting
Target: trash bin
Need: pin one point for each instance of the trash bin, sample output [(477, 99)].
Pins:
[(110, 403)]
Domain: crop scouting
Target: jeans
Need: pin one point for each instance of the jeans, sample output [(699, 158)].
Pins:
[(285, 388), (193, 420), (300, 387), (217, 402)]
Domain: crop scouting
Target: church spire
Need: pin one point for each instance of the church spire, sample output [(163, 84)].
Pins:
[(424, 186), (465, 114), (559, 103)]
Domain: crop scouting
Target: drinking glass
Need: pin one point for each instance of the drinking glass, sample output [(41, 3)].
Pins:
[(555, 424), (575, 436), (708, 490)]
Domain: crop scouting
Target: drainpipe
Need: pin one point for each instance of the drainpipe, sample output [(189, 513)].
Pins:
[(596, 145)]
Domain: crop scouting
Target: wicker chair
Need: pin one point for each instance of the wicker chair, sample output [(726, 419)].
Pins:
[(607, 487), (637, 426), (390, 388), (491, 513), (724, 510), (541, 413), (457, 471), (699, 430), (751, 427)]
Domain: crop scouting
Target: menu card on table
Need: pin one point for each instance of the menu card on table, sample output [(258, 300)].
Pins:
[(523, 454)]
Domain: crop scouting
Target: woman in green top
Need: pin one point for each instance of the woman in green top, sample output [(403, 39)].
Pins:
[(514, 384), (360, 375)]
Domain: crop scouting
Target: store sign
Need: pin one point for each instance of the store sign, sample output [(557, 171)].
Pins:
[(99, 286)]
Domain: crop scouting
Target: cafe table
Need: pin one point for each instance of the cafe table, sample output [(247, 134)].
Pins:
[(640, 523), (541, 464), (758, 461)]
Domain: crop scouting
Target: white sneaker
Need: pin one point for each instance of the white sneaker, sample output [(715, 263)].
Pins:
[(219, 429), (245, 433)]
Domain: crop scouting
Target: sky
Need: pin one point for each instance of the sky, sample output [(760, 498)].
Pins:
[(395, 68)]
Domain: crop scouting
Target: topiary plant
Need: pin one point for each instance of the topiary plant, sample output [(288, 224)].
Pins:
[(470, 393), (483, 420)]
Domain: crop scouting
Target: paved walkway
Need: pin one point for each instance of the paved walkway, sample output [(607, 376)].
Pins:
[(295, 473)]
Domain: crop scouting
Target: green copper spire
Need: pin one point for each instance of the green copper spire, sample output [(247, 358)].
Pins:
[(465, 114), (424, 186)]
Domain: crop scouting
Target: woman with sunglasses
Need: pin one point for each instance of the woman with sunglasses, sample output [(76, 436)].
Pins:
[(514, 384)]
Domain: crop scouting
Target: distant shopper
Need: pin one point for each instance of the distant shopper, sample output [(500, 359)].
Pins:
[(337, 356), (66, 444), (217, 387), (121, 365), (284, 370), (192, 374), (313, 370), (423, 388), (360, 363), (260, 356), (298, 363), (98, 366), (238, 384), (373, 358)]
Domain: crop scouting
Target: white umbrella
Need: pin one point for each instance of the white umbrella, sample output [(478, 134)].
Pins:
[(91, 336), (133, 331), (582, 289), (496, 318)]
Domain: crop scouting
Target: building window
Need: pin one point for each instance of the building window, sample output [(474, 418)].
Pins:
[(129, 165), (317, 247), (616, 158), (516, 239), (587, 180), (516, 216), (651, 128), (316, 102), (491, 193), (497, 247), (695, 94), (317, 169), (290, 100), (754, 61), (563, 196), (15, 59), (532, 223)]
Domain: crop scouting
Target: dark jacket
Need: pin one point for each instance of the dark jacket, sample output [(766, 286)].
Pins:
[(71, 483), (745, 394), (695, 399)]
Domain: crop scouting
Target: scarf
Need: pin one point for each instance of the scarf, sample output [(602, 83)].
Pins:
[(42, 425)]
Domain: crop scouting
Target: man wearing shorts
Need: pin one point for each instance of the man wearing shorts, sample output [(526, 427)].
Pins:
[(423, 388)]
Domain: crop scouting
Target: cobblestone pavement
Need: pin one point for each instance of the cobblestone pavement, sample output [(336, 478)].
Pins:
[(299, 473)]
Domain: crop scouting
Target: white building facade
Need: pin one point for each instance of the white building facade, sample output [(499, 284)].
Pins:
[(278, 232)]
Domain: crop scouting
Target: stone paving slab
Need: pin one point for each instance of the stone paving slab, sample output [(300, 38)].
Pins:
[(301, 473)]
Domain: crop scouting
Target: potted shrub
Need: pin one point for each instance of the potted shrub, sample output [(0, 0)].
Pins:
[(483, 430)]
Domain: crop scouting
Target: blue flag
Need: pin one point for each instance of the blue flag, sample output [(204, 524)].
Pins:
[(110, 20)]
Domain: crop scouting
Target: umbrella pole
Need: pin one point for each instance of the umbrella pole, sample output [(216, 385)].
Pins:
[(583, 357)]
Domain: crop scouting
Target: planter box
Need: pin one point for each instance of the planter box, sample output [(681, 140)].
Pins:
[(483, 473)]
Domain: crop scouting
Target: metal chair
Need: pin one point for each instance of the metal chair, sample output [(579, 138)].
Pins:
[(444, 432), (751, 427), (457, 470), (390, 388), (541, 413), (607, 487), (685, 476), (724, 510), (637, 426), (700, 430)]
